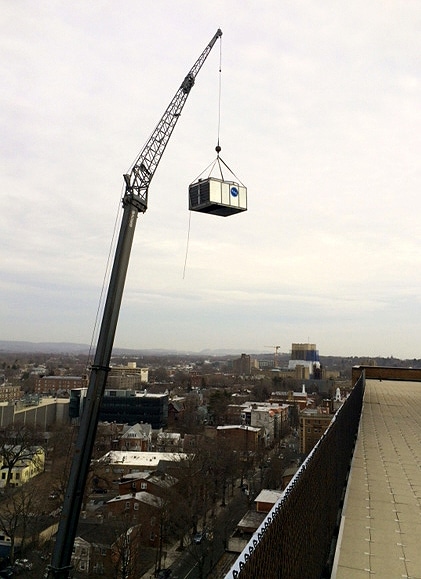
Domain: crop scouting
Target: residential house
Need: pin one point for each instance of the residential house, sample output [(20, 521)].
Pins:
[(169, 442), (31, 464), (176, 409), (288, 475), (245, 439), (192, 441), (81, 556), (156, 484), (271, 418), (93, 548), (137, 437), (233, 414), (108, 549), (137, 508)]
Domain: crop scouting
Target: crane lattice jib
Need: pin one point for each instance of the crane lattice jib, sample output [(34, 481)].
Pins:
[(138, 180)]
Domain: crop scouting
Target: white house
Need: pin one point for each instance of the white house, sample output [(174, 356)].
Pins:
[(31, 464)]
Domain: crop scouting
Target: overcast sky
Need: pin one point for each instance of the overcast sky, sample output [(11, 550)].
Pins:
[(320, 119)]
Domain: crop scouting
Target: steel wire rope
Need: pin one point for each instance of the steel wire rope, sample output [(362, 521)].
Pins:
[(111, 252), (105, 280), (211, 165), (218, 148), (220, 160), (219, 94)]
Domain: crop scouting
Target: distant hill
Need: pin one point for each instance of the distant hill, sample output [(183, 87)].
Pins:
[(8, 346), (22, 347)]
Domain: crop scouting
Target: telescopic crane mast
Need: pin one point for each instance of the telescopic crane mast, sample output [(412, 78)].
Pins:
[(134, 201)]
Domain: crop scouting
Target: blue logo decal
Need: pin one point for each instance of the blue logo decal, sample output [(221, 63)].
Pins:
[(234, 191)]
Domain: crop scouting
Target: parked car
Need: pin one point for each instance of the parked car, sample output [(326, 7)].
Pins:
[(164, 574), (199, 537)]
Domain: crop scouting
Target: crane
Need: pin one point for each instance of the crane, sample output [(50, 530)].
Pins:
[(134, 201), (275, 356)]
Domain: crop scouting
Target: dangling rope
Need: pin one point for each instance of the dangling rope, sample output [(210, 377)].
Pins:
[(187, 246)]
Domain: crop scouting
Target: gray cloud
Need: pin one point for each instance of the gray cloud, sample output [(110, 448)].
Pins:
[(320, 119)]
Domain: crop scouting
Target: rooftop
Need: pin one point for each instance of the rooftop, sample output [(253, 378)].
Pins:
[(141, 496), (268, 496), (380, 532), (139, 459), (238, 427)]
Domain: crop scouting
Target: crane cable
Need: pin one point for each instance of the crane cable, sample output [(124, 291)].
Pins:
[(105, 281), (217, 149), (218, 161)]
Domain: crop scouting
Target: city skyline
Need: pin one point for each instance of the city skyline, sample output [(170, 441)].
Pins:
[(320, 119)]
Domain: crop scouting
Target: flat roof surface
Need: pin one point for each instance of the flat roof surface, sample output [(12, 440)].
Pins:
[(141, 458), (380, 532), (268, 496)]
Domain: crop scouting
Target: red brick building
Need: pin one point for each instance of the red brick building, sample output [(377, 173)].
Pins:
[(138, 508), (239, 437), (313, 424), (155, 484), (9, 392), (55, 384)]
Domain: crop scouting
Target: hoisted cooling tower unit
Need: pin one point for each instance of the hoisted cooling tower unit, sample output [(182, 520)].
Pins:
[(217, 196)]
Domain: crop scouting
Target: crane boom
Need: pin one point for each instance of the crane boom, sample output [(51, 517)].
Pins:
[(138, 180), (134, 202)]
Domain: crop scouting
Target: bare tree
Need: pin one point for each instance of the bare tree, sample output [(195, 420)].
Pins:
[(16, 511), (218, 403), (176, 515), (18, 444), (183, 503), (125, 550)]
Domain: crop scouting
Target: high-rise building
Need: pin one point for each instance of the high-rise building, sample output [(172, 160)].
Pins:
[(306, 356), (128, 377), (125, 406), (243, 365)]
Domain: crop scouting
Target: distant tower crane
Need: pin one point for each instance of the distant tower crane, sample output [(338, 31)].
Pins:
[(134, 201), (275, 356)]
